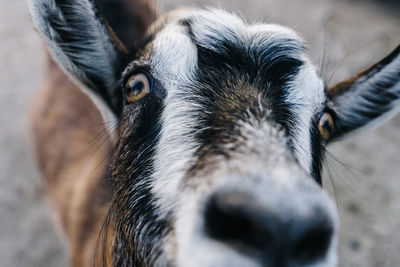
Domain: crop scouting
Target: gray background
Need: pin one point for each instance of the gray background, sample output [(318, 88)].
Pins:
[(364, 169)]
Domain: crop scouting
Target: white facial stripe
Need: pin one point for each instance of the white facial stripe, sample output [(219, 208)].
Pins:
[(174, 56), (174, 61), (307, 96), (175, 149)]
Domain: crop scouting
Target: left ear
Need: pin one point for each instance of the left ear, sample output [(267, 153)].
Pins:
[(84, 46), (366, 97)]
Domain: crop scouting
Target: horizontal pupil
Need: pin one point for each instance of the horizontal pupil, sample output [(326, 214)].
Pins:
[(327, 126), (136, 87)]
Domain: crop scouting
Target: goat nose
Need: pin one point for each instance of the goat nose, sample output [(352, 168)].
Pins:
[(238, 220)]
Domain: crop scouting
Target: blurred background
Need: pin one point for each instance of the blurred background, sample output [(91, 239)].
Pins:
[(363, 172)]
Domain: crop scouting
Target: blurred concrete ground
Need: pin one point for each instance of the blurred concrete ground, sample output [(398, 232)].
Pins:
[(351, 35)]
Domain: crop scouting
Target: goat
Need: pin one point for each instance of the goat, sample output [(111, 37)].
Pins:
[(221, 128)]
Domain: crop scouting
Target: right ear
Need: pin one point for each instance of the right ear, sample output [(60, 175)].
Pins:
[(83, 44), (367, 97)]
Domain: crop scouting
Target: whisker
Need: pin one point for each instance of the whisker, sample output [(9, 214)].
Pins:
[(350, 169), (328, 170)]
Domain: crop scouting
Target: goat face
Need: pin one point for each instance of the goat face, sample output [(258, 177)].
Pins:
[(223, 126), (219, 151)]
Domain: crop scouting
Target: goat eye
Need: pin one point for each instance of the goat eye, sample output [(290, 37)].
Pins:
[(137, 87), (326, 125)]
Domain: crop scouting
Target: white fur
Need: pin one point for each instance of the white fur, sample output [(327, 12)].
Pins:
[(308, 92), (210, 26), (174, 61), (174, 58), (274, 31)]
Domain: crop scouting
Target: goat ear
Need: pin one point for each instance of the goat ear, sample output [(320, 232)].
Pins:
[(81, 41), (367, 96), (129, 19)]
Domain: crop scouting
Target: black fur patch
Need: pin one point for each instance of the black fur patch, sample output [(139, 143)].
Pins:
[(317, 150), (129, 19), (139, 228)]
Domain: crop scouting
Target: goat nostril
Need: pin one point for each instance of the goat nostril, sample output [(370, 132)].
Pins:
[(231, 219), (312, 245)]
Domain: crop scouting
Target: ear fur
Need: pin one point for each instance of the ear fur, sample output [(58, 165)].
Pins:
[(82, 43), (366, 97), (129, 19)]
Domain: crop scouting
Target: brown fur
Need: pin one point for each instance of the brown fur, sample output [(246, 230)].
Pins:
[(72, 149)]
